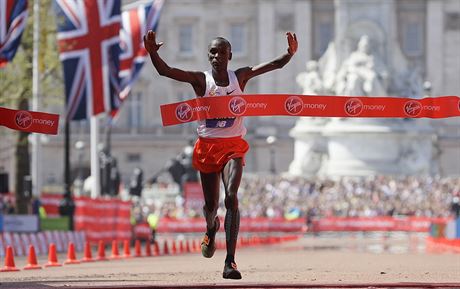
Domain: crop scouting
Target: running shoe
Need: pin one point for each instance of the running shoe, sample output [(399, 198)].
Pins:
[(231, 271), (208, 245)]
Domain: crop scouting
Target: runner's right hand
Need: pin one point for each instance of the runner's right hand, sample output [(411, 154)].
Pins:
[(150, 42)]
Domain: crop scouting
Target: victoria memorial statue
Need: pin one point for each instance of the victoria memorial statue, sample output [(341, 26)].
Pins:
[(368, 62)]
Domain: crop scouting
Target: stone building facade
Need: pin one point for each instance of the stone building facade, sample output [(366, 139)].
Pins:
[(427, 30)]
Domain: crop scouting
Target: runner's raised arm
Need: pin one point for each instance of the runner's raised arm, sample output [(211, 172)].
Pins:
[(195, 78), (244, 74)]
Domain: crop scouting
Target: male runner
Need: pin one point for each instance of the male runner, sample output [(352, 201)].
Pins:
[(220, 148)]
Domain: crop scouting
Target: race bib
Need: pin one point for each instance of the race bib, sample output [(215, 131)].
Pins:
[(220, 122)]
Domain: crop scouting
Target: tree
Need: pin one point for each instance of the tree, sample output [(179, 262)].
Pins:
[(16, 88)]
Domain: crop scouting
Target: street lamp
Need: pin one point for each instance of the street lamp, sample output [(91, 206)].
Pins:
[(271, 140)]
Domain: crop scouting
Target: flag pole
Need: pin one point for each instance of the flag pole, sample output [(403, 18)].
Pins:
[(95, 172), (36, 145), (67, 205)]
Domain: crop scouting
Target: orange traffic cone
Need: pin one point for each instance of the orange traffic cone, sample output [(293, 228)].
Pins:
[(148, 249), (166, 248), (9, 261), (88, 256), (181, 246), (32, 260), (52, 257), (101, 251), (71, 258), (115, 254), (174, 247), (126, 249), (196, 245), (137, 248), (187, 246)]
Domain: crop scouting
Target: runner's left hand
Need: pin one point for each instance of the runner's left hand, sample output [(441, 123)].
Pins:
[(292, 43)]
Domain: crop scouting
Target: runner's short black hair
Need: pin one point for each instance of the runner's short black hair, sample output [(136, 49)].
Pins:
[(222, 39)]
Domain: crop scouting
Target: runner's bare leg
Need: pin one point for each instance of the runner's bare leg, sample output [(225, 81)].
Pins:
[(210, 183), (231, 177)]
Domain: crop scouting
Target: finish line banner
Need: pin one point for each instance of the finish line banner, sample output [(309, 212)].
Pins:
[(305, 105), (29, 121)]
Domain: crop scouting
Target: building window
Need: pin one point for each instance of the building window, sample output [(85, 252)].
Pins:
[(186, 39), (413, 39), (325, 36), (285, 22), (322, 26), (133, 157), (135, 110), (452, 21), (238, 38)]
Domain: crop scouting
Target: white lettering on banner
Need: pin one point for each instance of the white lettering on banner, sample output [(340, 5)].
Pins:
[(261, 105), (201, 108), (379, 107), (20, 223), (432, 107), (43, 122), (320, 106)]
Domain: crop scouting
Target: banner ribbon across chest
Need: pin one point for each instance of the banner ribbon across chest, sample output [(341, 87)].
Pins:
[(305, 105)]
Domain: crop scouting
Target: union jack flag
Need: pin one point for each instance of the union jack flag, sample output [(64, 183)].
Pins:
[(135, 23), (13, 18), (88, 40)]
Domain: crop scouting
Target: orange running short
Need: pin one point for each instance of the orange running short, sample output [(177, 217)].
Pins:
[(211, 154)]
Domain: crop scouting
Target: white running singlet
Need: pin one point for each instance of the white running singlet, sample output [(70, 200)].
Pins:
[(221, 127)]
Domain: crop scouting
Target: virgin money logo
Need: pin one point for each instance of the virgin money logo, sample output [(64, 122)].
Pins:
[(184, 112), (237, 105), (23, 119), (293, 105), (412, 108), (354, 107)]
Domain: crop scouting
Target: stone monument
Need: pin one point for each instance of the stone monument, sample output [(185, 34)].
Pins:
[(368, 63), (310, 147)]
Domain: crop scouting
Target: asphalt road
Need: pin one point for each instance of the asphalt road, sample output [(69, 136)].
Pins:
[(329, 261)]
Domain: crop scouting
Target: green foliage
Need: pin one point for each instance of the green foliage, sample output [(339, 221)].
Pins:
[(16, 77), (16, 89)]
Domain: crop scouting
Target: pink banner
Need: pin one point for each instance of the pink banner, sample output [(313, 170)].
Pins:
[(29, 121), (103, 219), (193, 195), (406, 224), (308, 105)]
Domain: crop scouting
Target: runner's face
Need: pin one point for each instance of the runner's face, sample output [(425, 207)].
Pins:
[(219, 54)]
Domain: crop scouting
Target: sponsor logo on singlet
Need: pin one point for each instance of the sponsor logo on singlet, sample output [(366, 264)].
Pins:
[(412, 108), (237, 105), (220, 122), (23, 119), (353, 107), (184, 112), (293, 105)]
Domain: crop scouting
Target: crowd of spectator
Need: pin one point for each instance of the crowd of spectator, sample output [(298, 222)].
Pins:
[(7, 205), (297, 197), (276, 196)]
